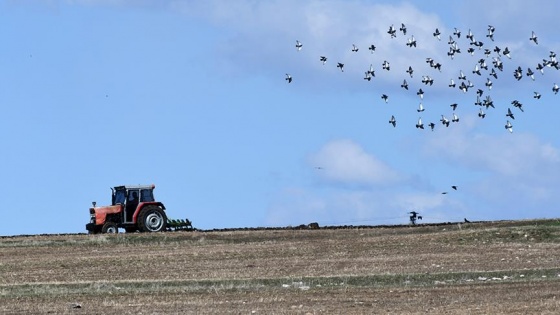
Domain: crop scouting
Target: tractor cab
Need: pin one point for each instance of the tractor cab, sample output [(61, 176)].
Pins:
[(129, 197)]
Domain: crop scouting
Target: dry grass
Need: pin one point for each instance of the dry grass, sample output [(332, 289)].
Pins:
[(486, 268)]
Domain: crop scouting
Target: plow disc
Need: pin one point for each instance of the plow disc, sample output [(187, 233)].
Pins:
[(179, 225)]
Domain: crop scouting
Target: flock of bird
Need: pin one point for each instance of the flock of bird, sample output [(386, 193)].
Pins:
[(490, 64)]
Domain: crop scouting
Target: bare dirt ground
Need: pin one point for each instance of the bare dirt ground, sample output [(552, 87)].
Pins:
[(476, 268)]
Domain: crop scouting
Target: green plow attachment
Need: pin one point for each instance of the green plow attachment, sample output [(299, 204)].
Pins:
[(179, 225)]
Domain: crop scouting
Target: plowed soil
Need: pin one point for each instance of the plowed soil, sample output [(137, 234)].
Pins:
[(508, 267)]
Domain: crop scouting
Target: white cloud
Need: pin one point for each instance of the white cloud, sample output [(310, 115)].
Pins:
[(344, 161), (510, 155)]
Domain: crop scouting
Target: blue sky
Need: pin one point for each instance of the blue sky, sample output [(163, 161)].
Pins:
[(191, 96)]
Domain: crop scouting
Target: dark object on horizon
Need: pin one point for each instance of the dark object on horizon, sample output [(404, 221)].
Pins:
[(414, 216), (313, 225), (467, 221)]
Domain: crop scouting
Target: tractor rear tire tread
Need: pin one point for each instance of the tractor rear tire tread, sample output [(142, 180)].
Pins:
[(152, 219)]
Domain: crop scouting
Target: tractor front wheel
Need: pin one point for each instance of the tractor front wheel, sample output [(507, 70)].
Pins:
[(110, 228), (152, 219)]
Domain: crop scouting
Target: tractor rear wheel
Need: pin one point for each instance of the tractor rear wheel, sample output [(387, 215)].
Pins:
[(110, 228), (152, 219)]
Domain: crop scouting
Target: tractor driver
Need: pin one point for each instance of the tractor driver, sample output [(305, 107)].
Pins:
[(134, 197), (131, 205)]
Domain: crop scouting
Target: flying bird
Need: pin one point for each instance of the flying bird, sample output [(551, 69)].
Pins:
[(509, 127), (481, 113), (451, 83), (354, 48), (454, 106), (451, 41), (437, 34), (341, 66), (451, 52), (463, 87), (420, 93), (371, 71), (478, 101), (404, 85), (372, 48), (403, 29), (432, 126), (419, 124), (534, 38), (444, 121), (506, 53), (454, 187), (537, 95), (517, 104), (385, 97), (392, 31), (410, 71), (288, 78), (488, 83), (530, 74), (411, 42), (482, 64), (555, 88), (470, 35), (455, 118), (299, 45), (476, 70), (393, 121), (510, 114), (478, 44), (386, 65), (462, 76), (518, 73), (490, 34), (457, 33), (488, 102), (323, 59), (420, 108), (498, 64)]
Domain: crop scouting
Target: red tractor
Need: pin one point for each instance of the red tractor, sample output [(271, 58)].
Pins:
[(132, 208)]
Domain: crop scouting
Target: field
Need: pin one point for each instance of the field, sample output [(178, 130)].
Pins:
[(501, 267)]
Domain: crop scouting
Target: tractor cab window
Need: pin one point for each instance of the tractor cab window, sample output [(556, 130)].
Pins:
[(120, 197), (146, 195)]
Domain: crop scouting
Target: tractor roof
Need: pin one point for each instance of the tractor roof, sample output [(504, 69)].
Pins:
[(152, 186)]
